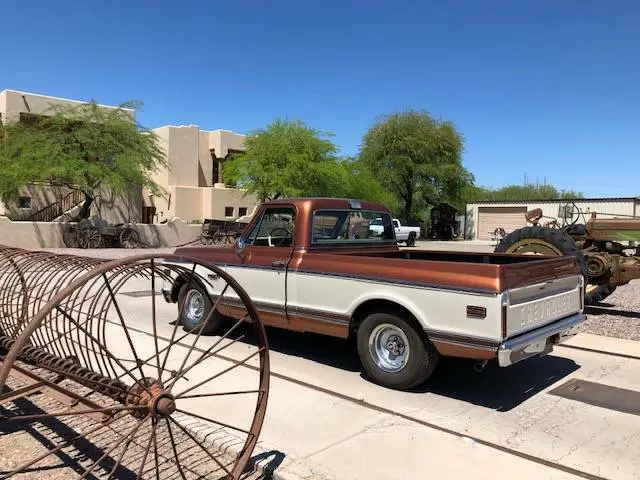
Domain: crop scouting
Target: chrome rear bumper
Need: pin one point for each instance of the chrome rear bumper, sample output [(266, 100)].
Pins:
[(539, 341)]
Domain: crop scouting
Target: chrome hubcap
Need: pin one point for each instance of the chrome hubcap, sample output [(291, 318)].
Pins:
[(389, 348), (194, 308)]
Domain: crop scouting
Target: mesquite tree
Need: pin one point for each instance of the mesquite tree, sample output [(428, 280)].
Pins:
[(85, 147)]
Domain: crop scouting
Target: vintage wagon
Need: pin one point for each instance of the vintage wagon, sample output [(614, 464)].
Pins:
[(217, 232), (96, 233)]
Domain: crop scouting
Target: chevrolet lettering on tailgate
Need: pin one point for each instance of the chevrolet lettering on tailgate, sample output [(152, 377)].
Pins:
[(547, 309)]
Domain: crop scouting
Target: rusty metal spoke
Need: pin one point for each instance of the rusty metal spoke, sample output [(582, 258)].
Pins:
[(199, 444), (177, 322), (112, 448), (209, 352), (220, 394), (228, 369), (200, 330), (124, 326)]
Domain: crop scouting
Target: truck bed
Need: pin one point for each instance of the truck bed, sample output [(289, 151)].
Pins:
[(481, 272)]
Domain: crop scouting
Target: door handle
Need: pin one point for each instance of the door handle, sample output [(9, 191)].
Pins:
[(278, 263)]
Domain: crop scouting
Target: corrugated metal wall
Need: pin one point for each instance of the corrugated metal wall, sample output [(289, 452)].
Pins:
[(605, 208)]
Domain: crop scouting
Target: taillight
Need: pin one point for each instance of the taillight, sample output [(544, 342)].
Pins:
[(505, 307)]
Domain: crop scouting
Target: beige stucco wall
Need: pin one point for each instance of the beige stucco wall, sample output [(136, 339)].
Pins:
[(14, 102), (214, 206), (112, 208), (35, 235), (188, 203), (192, 192), (221, 141), (41, 196)]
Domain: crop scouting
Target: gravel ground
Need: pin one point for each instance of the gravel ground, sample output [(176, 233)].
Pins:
[(618, 316), (22, 441)]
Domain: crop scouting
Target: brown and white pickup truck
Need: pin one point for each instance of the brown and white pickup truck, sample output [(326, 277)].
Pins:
[(315, 265)]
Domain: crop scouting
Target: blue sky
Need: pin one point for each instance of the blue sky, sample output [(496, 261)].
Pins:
[(546, 87)]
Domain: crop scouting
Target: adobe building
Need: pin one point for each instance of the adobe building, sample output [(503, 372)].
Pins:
[(193, 180)]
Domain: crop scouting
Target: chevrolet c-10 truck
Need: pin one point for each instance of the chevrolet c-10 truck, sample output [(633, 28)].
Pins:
[(314, 265)]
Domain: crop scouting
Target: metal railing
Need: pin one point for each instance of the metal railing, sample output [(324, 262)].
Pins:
[(57, 208)]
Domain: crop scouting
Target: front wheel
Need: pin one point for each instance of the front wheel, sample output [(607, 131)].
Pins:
[(194, 308), (392, 352)]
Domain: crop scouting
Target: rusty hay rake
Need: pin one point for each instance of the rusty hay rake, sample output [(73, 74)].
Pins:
[(138, 395)]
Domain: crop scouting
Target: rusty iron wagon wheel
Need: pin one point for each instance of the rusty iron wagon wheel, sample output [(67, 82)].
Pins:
[(139, 396), (129, 238)]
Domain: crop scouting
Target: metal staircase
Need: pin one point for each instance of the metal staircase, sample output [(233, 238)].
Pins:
[(57, 208)]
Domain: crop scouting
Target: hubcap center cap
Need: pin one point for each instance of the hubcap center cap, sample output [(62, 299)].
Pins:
[(395, 345)]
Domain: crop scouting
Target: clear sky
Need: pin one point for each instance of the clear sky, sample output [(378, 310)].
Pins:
[(546, 87)]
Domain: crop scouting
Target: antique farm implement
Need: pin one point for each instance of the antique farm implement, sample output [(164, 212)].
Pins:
[(96, 233), (134, 394), (606, 248), (217, 232)]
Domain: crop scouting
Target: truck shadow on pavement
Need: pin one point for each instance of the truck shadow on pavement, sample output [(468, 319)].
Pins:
[(604, 309), (499, 389)]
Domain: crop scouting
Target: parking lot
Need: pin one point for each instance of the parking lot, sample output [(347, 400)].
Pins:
[(538, 419)]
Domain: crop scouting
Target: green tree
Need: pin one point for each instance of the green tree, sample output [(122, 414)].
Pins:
[(512, 193), (286, 158), (364, 185), (85, 147), (417, 158)]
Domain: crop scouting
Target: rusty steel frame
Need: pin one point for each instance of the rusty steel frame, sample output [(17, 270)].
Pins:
[(57, 316)]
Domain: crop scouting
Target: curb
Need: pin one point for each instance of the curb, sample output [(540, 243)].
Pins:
[(602, 344)]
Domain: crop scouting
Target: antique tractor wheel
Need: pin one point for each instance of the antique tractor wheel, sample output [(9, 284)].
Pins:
[(552, 242), (129, 238), (134, 396)]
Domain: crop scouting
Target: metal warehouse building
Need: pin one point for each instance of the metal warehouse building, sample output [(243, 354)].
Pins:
[(483, 218)]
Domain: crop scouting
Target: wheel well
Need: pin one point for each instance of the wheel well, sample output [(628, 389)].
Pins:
[(179, 282), (383, 306)]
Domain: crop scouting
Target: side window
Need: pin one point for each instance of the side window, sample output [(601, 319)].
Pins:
[(396, 224), (274, 228)]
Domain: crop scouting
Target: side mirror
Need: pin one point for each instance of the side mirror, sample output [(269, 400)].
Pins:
[(240, 244)]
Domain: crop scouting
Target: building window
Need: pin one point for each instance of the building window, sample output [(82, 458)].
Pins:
[(242, 211), (215, 169), (228, 211), (24, 202)]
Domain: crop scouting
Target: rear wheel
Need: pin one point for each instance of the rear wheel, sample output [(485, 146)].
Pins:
[(552, 242), (411, 241), (392, 352)]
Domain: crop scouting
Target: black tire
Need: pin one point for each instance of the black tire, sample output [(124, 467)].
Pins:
[(188, 319), (560, 240), (411, 240), (419, 365), (599, 293)]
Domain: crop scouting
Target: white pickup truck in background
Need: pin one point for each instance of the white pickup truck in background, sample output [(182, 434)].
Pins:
[(407, 235)]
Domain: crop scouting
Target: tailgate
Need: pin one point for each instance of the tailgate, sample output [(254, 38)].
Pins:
[(540, 293)]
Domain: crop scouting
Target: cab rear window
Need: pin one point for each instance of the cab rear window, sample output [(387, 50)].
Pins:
[(351, 226)]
